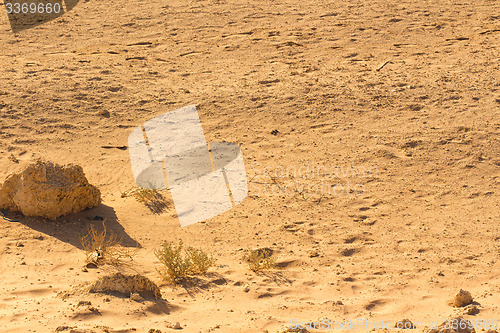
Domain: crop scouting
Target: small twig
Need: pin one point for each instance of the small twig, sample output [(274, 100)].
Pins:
[(383, 65), (320, 198)]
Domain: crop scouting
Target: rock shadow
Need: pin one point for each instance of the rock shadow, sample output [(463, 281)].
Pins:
[(70, 228)]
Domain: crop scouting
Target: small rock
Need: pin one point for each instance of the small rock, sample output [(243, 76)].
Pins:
[(23, 262), (174, 326), (91, 265), (104, 113), (405, 324), (313, 253), (453, 325), (13, 158), (93, 309), (94, 257), (463, 298), (84, 269), (136, 297), (154, 330), (84, 303), (19, 244), (246, 288), (470, 309)]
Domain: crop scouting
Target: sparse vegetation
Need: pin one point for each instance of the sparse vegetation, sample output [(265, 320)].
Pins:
[(179, 264), (151, 198), (261, 259), (200, 261), (101, 247)]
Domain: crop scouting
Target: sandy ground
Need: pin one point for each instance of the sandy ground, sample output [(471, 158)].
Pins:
[(403, 212)]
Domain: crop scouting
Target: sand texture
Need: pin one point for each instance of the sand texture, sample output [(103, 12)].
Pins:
[(370, 132)]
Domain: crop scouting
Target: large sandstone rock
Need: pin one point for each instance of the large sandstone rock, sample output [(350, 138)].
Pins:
[(48, 190)]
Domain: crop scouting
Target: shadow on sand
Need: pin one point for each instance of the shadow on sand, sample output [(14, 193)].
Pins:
[(26, 15), (70, 228), (194, 284)]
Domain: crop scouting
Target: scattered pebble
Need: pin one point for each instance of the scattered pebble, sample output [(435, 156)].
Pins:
[(104, 113), (405, 324), (13, 158), (175, 326), (84, 303), (470, 309), (136, 297), (458, 322), (246, 288), (313, 253)]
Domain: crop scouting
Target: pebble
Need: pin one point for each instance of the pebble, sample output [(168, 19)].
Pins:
[(136, 297)]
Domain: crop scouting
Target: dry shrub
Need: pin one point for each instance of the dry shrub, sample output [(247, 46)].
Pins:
[(151, 198), (200, 261), (179, 265), (261, 259), (101, 247)]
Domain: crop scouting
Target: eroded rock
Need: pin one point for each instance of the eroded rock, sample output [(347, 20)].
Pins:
[(48, 190), (126, 284), (462, 298)]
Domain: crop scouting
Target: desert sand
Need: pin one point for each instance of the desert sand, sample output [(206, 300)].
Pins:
[(370, 132)]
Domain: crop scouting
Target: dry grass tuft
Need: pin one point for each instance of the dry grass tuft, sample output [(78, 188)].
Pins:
[(200, 261), (151, 198), (103, 248), (261, 259)]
